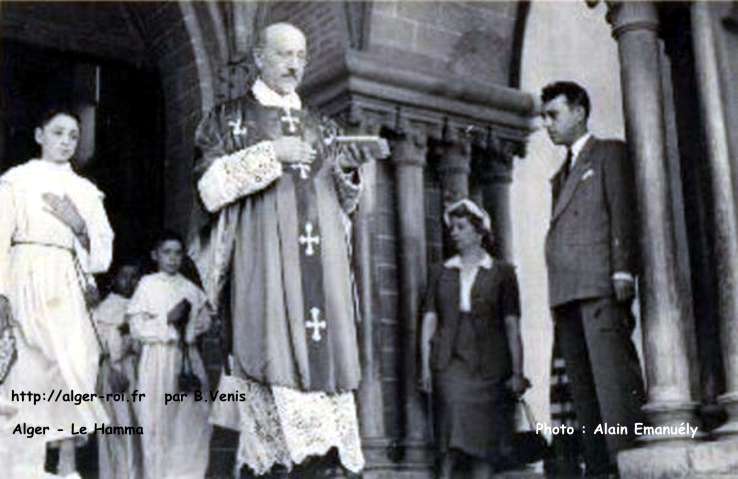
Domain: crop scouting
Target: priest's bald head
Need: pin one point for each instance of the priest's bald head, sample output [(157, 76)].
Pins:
[(280, 56)]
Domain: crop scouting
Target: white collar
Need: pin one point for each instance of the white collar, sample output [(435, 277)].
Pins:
[(268, 97), (53, 166), (578, 145), (455, 262)]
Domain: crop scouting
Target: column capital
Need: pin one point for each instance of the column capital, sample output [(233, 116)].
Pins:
[(454, 154), (626, 16), (489, 168), (410, 147)]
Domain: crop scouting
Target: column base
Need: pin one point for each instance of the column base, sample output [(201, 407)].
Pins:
[(387, 458), (695, 460), (729, 401), (670, 421)]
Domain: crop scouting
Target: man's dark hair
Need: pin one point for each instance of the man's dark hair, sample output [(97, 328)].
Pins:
[(574, 93), (167, 235)]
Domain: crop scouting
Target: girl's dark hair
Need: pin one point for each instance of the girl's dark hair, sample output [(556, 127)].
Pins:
[(488, 239), (53, 112)]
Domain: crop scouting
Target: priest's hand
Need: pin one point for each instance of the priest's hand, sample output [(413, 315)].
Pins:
[(291, 149), (354, 156)]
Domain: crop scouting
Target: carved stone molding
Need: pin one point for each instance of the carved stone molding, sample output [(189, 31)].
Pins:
[(365, 85), (410, 147)]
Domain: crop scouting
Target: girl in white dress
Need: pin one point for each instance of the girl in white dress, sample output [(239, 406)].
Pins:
[(176, 435), (54, 234)]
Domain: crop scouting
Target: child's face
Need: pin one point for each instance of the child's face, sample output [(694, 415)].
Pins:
[(168, 256), (126, 281)]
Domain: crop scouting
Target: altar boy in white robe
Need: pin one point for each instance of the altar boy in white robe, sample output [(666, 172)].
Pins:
[(167, 314), (119, 455)]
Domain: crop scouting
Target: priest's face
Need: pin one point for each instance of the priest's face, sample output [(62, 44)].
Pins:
[(282, 58)]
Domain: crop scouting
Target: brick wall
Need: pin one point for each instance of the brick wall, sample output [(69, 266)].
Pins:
[(170, 45), (385, 244), (471, 39), (386, 247)]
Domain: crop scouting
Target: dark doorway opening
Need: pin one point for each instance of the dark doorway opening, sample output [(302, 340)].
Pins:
[(123, 117)]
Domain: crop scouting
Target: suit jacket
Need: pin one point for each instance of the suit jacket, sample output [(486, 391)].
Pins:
[(494, 296), (593, 231)]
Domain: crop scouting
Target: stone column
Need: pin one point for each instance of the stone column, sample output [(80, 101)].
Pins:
[(494, 175), (370, 401), (454, 165), (452, 159), (409, 155), (723, 203), (663, 305)]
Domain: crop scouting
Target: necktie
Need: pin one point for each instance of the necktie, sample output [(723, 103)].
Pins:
[(568, 164)]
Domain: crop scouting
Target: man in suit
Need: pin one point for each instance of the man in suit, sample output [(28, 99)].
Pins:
[(591, 255)]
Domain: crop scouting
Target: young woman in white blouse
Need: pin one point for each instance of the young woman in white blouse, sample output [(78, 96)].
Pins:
[(54, 234), (472, 354)]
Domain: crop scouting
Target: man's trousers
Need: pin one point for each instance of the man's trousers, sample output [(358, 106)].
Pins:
[(604, 374)]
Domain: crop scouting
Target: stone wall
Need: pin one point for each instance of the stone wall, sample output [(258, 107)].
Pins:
[(468, 39)]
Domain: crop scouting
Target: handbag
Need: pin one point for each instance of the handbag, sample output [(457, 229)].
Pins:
[(8, 349), (527, 445), (187, 381)]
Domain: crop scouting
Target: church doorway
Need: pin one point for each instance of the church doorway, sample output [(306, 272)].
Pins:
[(122, 149)]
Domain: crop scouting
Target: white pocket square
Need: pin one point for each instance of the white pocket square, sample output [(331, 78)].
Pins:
[(587, 174)]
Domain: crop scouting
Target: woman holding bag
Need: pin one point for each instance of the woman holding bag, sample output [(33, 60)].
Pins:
[(54, 234), (471, 350)]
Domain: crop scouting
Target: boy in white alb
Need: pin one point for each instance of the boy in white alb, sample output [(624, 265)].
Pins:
[(119, 455), (176, 435)]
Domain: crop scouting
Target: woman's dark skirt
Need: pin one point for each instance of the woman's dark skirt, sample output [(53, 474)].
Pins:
[(474, 415)]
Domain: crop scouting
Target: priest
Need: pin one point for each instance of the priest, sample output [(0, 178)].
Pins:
[(277, 186)]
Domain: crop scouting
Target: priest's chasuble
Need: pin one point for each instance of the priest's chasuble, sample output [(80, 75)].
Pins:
[(276, 243)]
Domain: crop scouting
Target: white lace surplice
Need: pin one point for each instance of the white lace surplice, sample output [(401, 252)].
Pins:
[(278, 425), (57, 349), (283, 426), (176, 436)]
